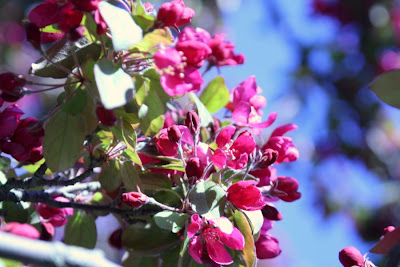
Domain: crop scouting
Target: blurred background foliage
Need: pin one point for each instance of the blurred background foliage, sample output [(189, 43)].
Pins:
[(314, 59)]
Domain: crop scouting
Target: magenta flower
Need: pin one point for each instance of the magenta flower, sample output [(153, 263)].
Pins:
[(57, 217), (167, 147), (286, 188), (21, 229), (9, 119), (177, 77), (174, 14), (282, 144), (134, 199), (234, 154), (246, 110), (194, 45), (211, 236), (11, 86), (222, 52), (267, 247), (246, 196)]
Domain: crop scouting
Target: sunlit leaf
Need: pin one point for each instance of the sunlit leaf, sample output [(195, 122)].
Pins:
[(387, 87), (81, 230), (216, 95)]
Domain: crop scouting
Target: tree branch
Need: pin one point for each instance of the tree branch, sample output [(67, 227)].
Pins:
[(49, 254)]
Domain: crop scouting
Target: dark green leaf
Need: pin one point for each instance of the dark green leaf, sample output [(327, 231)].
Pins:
[(61, 54), (155, 181), (215, 96), (64, 136), (170, 220), (15, 212), (81, 230), (148, 238), (125, 32), (387, 87), (4, 163), (115, 86), (110, 176), (208, 199), (130, 176), (133, 259), (75, 104)]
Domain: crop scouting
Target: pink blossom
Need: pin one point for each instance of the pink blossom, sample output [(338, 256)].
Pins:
[(282, 144), (9, 119), (246, 196), (210, 236), (174, 14), (222, 52), (57, 217), (193, 43), (350, 256), (286, 188), (170, 148), (234, 154), (267, 247), (246, 109), (21, 229)]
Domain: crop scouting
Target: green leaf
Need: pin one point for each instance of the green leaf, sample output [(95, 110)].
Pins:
[(90, 28), (144, 20), (65, 133), (255, 220), (153, 39), (14, 212), (215, 96), (4, 163), (148, 238), (75, 104), (130, 176), (208, 199), (387, 87), (155, 181), (125, 134), (110, 176), (170, 220), (171, 166), (81, 230), (125, 32), (61, 54), (204, 115), (132, 156), (248, 252), (100, 198), (133, 259)]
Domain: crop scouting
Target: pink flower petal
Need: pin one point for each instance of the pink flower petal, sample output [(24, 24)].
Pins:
[(241, 113), (44, 15), (234, 241), (218, 253), (245, 91), (225, 135), (196, 249), (219, 159), (281, 130)]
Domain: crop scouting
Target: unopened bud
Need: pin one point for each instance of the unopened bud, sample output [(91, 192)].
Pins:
[(115, 239), (11, 86), (286, 188), (174, 134), (194, 169), (271, 213), (134, 199), (192, 122), (106, 117), (350, 256), (268, 158)]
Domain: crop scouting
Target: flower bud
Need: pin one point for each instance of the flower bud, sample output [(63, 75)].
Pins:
[(21, 229), (286, 188), (174, 14), (134, 199), (192, 122), (11, 86), (267, 247), (115, 239), (194, 168), (350, 256), (106, 117), (56, 216), (33, 35), (174, 134), (271, 213), (389, 229)]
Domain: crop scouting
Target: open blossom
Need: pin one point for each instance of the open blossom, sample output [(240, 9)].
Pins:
[(245, 195), (56, 216), (222, 52), (174, 14), (211, 236), (247, 105), (177, 77), (282, 144), (193, 43), (235, 153)]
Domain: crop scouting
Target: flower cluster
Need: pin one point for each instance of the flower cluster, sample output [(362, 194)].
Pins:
[(170, 173)]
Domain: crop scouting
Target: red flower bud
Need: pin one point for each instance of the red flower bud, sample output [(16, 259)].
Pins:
[(21, 229), (268, 158), (106, 117), (11, 86), (115, 239), (33, 35), (174, 134), (194, 168), (350, 256), (192, 122), (389, 229), (134, 199), (57, 217), (286, 188), (267, 247), (271, 213), (174, 14), (246, 196)]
